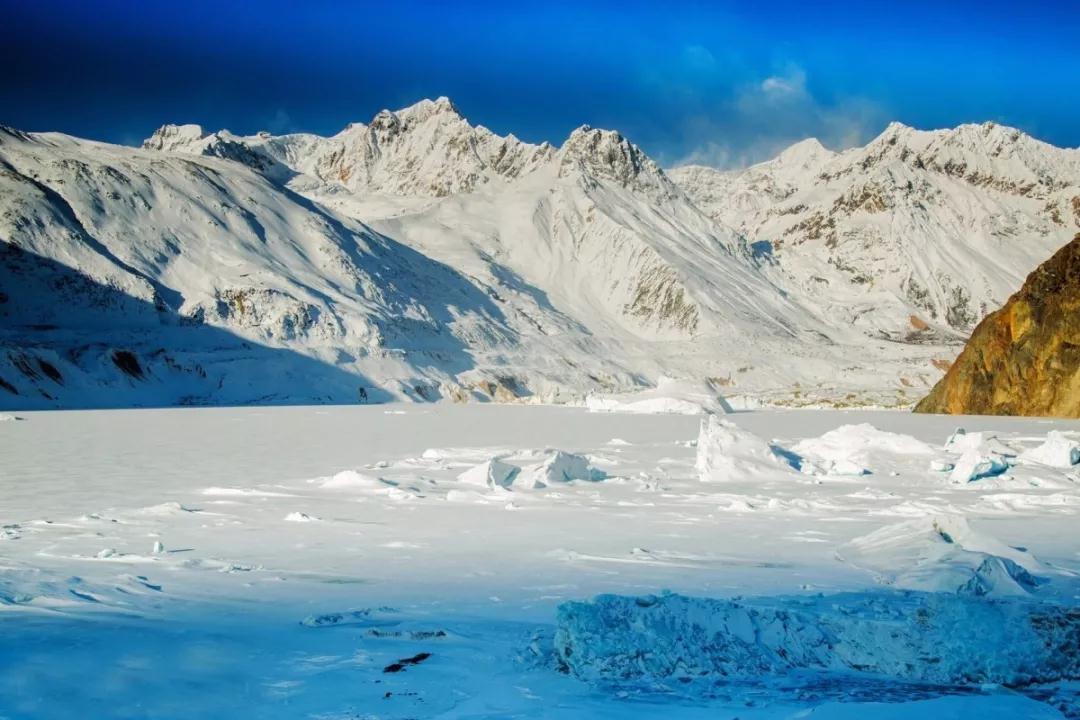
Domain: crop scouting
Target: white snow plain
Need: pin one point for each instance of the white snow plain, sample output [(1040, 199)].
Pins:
[(439, 560)]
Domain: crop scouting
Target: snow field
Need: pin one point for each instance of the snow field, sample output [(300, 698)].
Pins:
[(284, 558)]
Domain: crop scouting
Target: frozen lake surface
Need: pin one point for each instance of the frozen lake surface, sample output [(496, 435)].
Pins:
[(410, 560)]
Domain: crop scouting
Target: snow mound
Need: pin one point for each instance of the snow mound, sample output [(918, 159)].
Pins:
[(849, 449), (490, 473), (671, 396), (351, 479), (9, 418), (976, 465), (1056, 451), (557, 466), (943, 554), (917, 637), (727, 453), (300, 517)]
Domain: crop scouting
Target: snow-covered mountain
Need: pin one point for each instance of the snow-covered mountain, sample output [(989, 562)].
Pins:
[(914, 235), (420, 256), (427, 150)]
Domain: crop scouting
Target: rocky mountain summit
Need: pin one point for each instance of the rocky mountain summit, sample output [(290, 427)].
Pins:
[(1023, 359)]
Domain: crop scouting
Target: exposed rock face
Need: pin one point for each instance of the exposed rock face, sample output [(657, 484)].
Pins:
[(1023, 359)]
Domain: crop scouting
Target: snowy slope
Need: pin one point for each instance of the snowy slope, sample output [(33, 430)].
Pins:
[(917, 233), (423, 257), (141, 277), (182, 264)]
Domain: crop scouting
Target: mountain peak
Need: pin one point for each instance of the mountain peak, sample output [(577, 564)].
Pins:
[(171, 137), (806, 153), (607, 155), (426, 109)]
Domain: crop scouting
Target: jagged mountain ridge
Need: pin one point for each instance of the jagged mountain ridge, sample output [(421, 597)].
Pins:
[(109, 247), (556, 187), (464, 264), (199, 273), (427, 150), (918, 233)]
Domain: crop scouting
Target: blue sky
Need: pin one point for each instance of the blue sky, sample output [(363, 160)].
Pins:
[(721, 83)]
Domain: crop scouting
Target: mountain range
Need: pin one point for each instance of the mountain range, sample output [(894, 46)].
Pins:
[(421, 257)]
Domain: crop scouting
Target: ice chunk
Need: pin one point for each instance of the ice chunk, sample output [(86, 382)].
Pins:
[(557, 466), (300, 517), (1057, 451), (961, 442), (941, 466), (919, 637), (466, 496), (975, 465), (845, 467), (491, 473), (727, 453), (351, 479), (943, 553), (848, 449)]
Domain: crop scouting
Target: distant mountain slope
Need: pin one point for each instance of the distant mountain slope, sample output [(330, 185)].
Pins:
[(915, 234), (210, 243), (419, 256), (157, 277), (1023, 359)]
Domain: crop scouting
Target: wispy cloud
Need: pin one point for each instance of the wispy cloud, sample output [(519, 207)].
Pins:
[(758, 117), (280, 122)]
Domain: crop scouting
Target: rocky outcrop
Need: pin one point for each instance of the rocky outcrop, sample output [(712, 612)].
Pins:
[(1023, 359)]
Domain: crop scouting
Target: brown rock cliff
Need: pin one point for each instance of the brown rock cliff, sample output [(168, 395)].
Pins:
[(1023, 359)]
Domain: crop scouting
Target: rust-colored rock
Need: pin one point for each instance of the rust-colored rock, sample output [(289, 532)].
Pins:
[(1023, 359)]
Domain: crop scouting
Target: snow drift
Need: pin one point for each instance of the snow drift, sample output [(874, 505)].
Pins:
[(1058, 450), (850, 449), (944, 554)]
